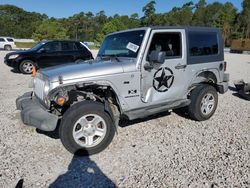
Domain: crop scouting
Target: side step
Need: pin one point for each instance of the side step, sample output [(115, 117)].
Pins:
[(145, 112)]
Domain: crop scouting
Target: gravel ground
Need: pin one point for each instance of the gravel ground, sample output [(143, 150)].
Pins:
[(164, 151)]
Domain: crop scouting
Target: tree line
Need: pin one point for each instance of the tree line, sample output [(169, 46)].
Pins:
[(19, 23)]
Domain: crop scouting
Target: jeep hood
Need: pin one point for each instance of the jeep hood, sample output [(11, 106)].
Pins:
[(82, 70)]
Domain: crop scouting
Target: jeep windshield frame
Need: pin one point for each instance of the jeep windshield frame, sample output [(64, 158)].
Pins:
[(122, 44)]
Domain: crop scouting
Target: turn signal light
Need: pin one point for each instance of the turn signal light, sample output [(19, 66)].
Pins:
[(60, 100), (34, 71)]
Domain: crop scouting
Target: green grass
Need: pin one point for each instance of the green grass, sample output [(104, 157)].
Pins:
[(25, 44)]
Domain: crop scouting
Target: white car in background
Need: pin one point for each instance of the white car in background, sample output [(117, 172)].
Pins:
[(7, 43)]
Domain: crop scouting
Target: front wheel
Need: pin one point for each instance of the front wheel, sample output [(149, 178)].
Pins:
[(86, 128), (26, 66), (204, 100)]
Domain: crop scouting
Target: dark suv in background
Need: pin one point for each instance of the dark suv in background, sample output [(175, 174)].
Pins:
[(46, 54)]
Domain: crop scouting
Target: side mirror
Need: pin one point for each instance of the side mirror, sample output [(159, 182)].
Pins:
[(42, 50), (148, 66)]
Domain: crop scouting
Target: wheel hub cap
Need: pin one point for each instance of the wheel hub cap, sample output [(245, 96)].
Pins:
[(89, 130), (207, 104), (27, 67)]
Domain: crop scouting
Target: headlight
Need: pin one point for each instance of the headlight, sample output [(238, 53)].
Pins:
[(13, 56)]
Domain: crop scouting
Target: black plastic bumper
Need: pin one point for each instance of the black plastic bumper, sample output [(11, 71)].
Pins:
[(33, 114), (223, 86), (11, 63)]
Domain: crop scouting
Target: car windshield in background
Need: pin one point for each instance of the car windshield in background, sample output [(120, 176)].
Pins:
[(38, 46), (125, 44)]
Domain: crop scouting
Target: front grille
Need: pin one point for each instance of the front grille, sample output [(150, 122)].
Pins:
[(39, 88)]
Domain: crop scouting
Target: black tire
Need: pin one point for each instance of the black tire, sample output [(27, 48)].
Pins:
[(27, 70), (70, 118), (196, 96), (7, 48)]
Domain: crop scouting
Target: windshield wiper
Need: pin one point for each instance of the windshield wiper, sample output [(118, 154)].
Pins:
[(114, 56)]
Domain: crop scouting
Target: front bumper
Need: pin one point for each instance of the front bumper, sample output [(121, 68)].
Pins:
[(33, 114), (11, 62)]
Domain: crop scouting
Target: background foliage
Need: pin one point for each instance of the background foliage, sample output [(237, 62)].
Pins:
[(19, 23)]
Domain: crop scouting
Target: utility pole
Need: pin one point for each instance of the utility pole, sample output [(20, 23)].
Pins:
[(76, 31)]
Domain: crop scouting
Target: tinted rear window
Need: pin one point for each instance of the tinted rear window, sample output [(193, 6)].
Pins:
[(68, 46), (10, 40), (80, 46), (201, 44)]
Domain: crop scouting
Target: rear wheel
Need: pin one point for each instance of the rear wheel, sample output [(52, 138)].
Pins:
[(86, 128), (26, 66), (204, 100), (7, 47)]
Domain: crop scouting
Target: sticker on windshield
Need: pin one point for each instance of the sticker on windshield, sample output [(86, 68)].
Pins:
[(132, 47)]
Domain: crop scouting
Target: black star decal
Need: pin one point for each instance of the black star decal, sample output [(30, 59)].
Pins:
[(165, 79)]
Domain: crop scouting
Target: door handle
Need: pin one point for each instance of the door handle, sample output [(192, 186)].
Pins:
[(179, 66)]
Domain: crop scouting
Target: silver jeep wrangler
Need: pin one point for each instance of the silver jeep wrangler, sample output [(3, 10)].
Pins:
[(137, 73)]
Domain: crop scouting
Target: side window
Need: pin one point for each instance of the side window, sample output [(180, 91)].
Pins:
[(52, 47), (10, 40), (80, 46), (2, 40), (75, 46), (201, 44), (168, 43), (67, 46)]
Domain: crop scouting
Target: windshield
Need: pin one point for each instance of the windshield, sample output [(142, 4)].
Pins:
[(126, 44), (37, 46)]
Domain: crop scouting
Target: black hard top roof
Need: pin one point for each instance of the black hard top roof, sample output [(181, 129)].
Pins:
[(184, 27), (187, 28)]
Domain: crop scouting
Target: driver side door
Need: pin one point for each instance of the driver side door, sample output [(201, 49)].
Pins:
[(49, 54), (163, 82)]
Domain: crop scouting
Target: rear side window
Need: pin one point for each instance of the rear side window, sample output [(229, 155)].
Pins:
[(10, 40), (68, 46), (2, 40), (202, 44), (80, 46)]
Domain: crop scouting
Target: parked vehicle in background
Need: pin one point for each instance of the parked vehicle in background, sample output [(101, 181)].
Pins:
[(7, 43), (137, 73), (47, 54), (238, 46)]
